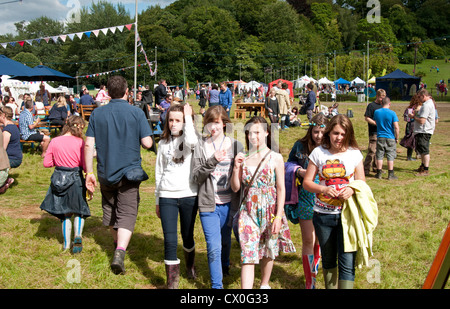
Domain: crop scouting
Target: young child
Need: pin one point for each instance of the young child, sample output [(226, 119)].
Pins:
[(175, 192), (67, 193), (338, 162), (263, 227), (212, 169), (299, 155)]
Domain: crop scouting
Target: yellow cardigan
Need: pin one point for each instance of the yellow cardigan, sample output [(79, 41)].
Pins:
[(359, 218)]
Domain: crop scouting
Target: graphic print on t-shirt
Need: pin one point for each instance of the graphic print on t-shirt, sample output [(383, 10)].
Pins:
[(333, 172)]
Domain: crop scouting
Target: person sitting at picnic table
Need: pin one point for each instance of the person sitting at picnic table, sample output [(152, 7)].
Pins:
[(86, 98), (102, 97), (10, 137), (27, 127), (58, 113)]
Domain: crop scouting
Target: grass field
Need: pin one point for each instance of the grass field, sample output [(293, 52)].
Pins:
[(413, 215), (432, 76)]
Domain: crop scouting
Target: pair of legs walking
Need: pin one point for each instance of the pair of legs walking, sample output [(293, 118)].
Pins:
[(78, 225), (338, 265), (169, 208)]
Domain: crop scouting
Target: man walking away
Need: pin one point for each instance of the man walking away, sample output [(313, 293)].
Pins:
[(387, 137), (117, 130)]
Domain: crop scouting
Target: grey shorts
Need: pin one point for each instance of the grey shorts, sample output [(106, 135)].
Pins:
[(120, 203), (386, 146)]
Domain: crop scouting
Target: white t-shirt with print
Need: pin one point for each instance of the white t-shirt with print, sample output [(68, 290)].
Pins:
[(334, 170)]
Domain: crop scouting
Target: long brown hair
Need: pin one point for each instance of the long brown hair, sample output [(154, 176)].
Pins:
[(307, 141), (178, 156), (346, 124)]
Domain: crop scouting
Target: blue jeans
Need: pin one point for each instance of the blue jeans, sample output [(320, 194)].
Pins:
[(218, 241), (169, 209), (328, 229)]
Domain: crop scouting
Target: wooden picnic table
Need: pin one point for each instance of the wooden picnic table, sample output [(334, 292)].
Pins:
[(250, 106)]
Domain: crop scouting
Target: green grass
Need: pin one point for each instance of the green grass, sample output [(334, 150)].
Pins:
[(413, 215), (431, 77)]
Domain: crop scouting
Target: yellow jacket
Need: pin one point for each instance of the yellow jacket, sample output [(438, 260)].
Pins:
[(359, 218)]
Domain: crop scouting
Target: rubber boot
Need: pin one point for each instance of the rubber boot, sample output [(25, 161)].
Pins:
[(345, 284), (189, 256), (172, 273), (117, 264), (316, 258), (308, 269), (330, 277), (282, 124)]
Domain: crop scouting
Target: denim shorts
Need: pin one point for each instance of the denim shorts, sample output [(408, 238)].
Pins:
[(386, 146)]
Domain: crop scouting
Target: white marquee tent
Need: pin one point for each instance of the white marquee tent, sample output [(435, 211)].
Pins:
[(325, 81)]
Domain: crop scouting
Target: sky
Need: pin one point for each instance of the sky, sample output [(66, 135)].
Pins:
[(12, 11)]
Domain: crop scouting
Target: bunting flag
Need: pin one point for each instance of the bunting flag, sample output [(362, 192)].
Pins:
[(71, 36), (112, 71)]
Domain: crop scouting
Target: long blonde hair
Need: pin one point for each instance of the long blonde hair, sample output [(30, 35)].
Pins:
[(61, 102)]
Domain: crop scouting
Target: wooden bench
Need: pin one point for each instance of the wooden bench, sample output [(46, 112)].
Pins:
[(31, 143), (86, 111), (240, 113)]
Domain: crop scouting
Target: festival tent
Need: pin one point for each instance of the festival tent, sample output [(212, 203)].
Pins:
[(12, 67), (42, 73), (325, 81), (302, 81), (358, 82), (250, 85), (18, 87), (289, 83), (341, 81), (398, 85)]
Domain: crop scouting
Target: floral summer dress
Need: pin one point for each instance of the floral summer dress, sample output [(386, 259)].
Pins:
[(255, 218)]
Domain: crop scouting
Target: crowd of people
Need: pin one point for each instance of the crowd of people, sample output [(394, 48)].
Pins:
[(235, 187)]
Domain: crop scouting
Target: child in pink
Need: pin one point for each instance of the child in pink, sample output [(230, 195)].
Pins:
[(66, 195)]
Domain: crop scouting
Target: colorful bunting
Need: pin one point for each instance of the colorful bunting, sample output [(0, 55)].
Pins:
[(71, 36)]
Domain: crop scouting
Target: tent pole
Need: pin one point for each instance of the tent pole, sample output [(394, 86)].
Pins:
[(135, 50)]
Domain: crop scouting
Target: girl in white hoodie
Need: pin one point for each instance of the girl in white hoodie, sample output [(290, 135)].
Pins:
[(175, 192)]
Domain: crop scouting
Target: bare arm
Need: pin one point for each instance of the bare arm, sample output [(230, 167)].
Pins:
[(91, 181)]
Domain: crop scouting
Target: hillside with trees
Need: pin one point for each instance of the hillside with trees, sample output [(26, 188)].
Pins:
[(248, 39)]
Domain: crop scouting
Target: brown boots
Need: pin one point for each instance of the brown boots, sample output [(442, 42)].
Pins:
[(173, 269)]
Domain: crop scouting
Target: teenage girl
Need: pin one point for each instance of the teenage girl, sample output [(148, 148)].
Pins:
[(300, 155), (337, 161), (175, 192), (263, 227), (212, 169), (66, 196)]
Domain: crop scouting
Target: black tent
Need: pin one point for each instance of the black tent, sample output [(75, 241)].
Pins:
[(398, 85)]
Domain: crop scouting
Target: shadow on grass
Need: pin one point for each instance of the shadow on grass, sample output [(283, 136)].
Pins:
[(145, 247)]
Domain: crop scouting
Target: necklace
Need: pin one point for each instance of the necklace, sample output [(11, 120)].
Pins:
[(220, 147), (257, 151)]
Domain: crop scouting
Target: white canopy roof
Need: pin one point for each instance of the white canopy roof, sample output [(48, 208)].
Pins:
[(305, 79), (18, 87), (325, 81), (358, 81)]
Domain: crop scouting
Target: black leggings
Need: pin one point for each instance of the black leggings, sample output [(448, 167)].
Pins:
[(169, 209)]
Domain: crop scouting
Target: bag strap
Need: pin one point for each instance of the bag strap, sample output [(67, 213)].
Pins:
[(257, 172)]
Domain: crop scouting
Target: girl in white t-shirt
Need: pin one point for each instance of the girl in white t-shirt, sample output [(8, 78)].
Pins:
[(175, 192), (338, 161)]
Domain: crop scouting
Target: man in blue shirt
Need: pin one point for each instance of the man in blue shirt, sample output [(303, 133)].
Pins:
[(387, 137), (117, 130), (86, 98), (225, 97), (27, 127)]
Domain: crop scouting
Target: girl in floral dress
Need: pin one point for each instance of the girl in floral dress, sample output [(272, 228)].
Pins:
[(263, 227)]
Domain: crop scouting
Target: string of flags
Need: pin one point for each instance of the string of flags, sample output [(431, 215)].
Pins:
[(71, 36), (114, 71), (96, 32)]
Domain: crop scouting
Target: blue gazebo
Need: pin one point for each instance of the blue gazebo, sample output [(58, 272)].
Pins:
[(398, 85), (341, 81)]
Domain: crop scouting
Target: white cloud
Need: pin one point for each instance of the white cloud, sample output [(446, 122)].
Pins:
[(57, 9)]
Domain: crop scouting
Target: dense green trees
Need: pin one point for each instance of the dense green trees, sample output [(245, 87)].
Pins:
[(214, 40)]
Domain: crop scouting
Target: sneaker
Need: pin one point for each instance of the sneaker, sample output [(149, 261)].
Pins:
[(77, 245), (423, 173), (117, 265), (5, 187)]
